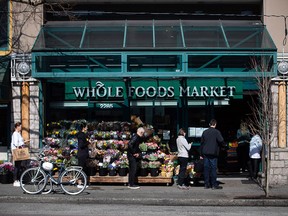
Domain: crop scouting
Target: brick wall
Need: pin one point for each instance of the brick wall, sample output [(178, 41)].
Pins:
[(279, 166)]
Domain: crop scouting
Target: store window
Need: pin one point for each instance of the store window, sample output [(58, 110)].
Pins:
[(4, 27)]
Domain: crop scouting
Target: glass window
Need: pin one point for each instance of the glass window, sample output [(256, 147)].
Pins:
[(154, 63), (91, 63)]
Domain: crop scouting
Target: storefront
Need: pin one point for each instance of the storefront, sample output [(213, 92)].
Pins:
[(170, 73)]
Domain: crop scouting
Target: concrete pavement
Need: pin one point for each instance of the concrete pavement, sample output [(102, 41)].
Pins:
[(235, 192)]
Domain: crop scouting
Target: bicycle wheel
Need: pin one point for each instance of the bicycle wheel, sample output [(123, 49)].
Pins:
[(33, 180), (73, 181), (48, 187)]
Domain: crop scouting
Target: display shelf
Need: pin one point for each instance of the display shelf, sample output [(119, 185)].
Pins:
[(124, 179)]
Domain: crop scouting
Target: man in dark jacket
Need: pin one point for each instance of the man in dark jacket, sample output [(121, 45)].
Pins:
[(210, 144), (133, 155)]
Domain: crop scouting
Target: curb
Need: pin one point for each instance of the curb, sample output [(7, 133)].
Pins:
[(147, 201)]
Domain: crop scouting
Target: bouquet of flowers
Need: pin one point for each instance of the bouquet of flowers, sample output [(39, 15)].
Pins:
[(151, 157), (6, 168), (152, 145), (154, 164)]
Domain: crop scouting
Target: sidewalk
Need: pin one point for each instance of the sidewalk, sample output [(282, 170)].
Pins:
[(235, 192)]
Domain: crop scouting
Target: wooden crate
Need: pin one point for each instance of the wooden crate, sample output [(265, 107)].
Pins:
[(124, 179)]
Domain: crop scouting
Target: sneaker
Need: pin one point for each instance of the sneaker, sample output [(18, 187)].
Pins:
[(207, 187), (82, 186), (183, 187), (217, 187), (133, 187), (16, 183)]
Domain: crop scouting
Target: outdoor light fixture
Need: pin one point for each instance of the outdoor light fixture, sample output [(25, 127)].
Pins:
[(283, 67), (23, 68)]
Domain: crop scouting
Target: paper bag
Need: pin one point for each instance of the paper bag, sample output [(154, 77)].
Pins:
[(21, 154)]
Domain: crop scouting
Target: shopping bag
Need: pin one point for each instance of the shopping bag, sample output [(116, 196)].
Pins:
[(21, 154)]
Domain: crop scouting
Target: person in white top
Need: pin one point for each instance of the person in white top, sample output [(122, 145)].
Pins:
[(183, 156), (255, 155), (17, 141)]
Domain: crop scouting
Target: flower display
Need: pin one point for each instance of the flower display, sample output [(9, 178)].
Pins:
[(122, 162), (152, 145), (108, 142), (151, 157), (112, 166), (144, 164), (6, 168), (154, 164)]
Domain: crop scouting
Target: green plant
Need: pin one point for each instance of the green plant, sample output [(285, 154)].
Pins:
[(143, 147)]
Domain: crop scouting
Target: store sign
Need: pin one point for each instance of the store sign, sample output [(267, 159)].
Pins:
[(117, 92)]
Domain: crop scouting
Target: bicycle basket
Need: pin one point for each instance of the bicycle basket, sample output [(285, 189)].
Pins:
[(47, 166)]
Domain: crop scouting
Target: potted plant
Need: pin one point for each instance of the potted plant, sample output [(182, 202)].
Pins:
[(154, 168), (143, 168), (143, 147), (103, 168), (6, 173), (112, 169), (123, 165)]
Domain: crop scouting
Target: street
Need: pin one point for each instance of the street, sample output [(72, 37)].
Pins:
[(31, 209)]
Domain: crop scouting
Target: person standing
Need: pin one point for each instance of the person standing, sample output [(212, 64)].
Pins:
[(83, 150), (243, 138), (211, 141), (183, 156), (133, 154), (17, 141), (255, 155)]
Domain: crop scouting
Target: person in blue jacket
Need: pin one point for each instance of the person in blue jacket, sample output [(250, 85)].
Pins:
[(211, 141)]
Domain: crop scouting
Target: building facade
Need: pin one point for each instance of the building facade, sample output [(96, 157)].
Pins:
[(174, 64)]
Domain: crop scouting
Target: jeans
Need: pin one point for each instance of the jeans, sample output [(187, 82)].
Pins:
[(210, 171), (182, 172), (132, 170)]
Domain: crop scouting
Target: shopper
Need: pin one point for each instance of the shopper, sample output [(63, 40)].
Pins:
[(17, 141), (133, 155), (211, 141), (255, 156), (183, 156), (243, 138), (83, 150)]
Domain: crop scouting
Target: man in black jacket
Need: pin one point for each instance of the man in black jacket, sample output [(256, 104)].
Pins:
[(133, 155), (210, 144)]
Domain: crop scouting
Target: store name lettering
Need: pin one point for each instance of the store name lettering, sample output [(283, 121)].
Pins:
[(101, 91)]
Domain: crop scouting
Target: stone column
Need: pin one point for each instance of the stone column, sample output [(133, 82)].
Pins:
[(282, 114), (34, 115)]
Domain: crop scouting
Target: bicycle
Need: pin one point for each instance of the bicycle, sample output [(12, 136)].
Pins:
[(72, 180)]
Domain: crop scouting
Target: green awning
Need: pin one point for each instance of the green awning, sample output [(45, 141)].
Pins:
[(154, 35)]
